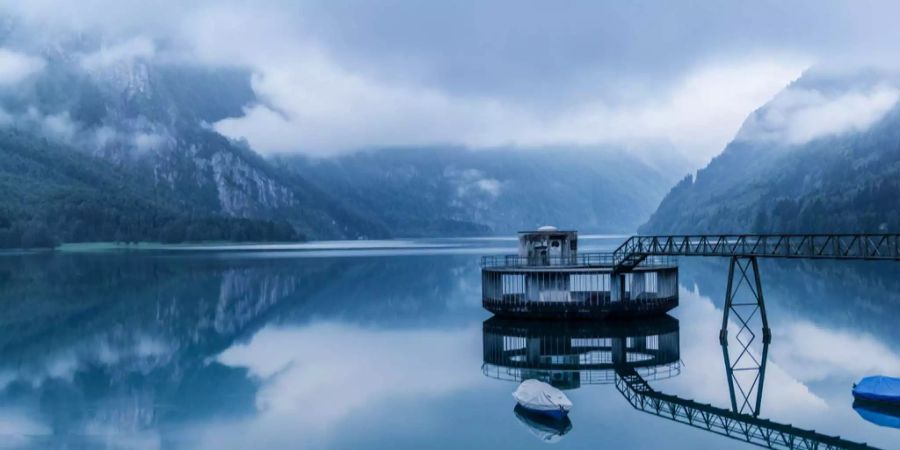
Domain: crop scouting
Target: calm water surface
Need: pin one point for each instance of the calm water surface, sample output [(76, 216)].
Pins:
[(384, 345)]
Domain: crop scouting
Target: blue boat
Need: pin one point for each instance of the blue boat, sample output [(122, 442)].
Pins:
[(879, 389)]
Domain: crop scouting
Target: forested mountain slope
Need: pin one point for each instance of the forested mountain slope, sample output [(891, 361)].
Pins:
[(458, 191), (822, 156)]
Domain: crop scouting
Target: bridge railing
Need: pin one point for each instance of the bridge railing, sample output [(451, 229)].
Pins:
[(821, 246)]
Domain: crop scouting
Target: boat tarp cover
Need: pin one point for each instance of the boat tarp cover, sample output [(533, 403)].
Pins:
[(878, 388), (537, 395)]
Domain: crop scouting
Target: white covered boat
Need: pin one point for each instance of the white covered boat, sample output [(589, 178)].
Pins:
[(541, 398)]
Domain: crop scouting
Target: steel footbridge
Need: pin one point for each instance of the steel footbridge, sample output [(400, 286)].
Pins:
[(744, 250)]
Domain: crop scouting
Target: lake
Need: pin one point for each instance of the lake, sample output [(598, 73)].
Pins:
[(384, 344)]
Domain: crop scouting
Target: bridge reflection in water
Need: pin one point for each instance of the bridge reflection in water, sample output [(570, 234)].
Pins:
[(629, 354)]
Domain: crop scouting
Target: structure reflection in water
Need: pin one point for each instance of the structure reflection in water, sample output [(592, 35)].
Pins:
[(877, 413), (629, 354), (569, 354)]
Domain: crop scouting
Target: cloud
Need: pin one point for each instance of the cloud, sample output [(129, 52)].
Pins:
[(473, 181), (16, 67), (333, 78), (56, 126), (316, 106), (126, 51), (799, 115), (137, 136)]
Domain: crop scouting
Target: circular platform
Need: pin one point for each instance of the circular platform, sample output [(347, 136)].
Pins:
[(586, 288)]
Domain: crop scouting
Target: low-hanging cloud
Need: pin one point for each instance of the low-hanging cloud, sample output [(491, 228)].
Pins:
[(135, 137), (518, 73), (16, 67), (120, 52), (316, 107), (799, 115)]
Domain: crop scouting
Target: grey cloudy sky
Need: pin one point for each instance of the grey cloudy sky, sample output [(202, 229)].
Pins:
[(335, 76)]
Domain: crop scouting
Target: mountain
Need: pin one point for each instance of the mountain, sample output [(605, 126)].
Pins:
[(50, 193), (822, 156), (104, 144), (127, 144), (460, 191)]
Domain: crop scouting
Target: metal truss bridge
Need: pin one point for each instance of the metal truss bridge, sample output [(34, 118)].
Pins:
[(808, 246), (744, 249)]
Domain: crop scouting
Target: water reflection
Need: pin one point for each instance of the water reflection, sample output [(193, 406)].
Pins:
[(630, 354), (542, 427), (569, 354), (117, 348), (724, 422), (229, 350), (878, 413), (746, 375)]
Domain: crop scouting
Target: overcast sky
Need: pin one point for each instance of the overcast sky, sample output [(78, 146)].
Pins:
[(335, 76)]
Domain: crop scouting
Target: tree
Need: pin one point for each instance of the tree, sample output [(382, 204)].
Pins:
[(37, 235)]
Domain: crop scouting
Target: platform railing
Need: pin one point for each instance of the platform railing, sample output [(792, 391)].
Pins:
[(604, 260)]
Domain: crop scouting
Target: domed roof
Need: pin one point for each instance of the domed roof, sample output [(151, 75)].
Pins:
[(548, 228)]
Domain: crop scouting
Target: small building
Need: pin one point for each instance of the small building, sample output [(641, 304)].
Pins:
[(548, 246)]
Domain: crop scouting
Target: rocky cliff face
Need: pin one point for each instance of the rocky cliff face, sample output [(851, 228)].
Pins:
[(244, 191)]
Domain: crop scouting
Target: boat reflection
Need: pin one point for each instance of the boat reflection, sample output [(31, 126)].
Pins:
[(544, 428), (879, 414)]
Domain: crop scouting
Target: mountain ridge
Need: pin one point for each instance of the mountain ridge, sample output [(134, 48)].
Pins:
[(134, 136), (845, 181)]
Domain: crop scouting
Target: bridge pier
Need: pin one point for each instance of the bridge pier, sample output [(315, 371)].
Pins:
[(736, 280)]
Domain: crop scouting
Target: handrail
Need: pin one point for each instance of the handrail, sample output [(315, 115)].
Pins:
[(812, 246), (636, 249), (588, 260), (581, 259)]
